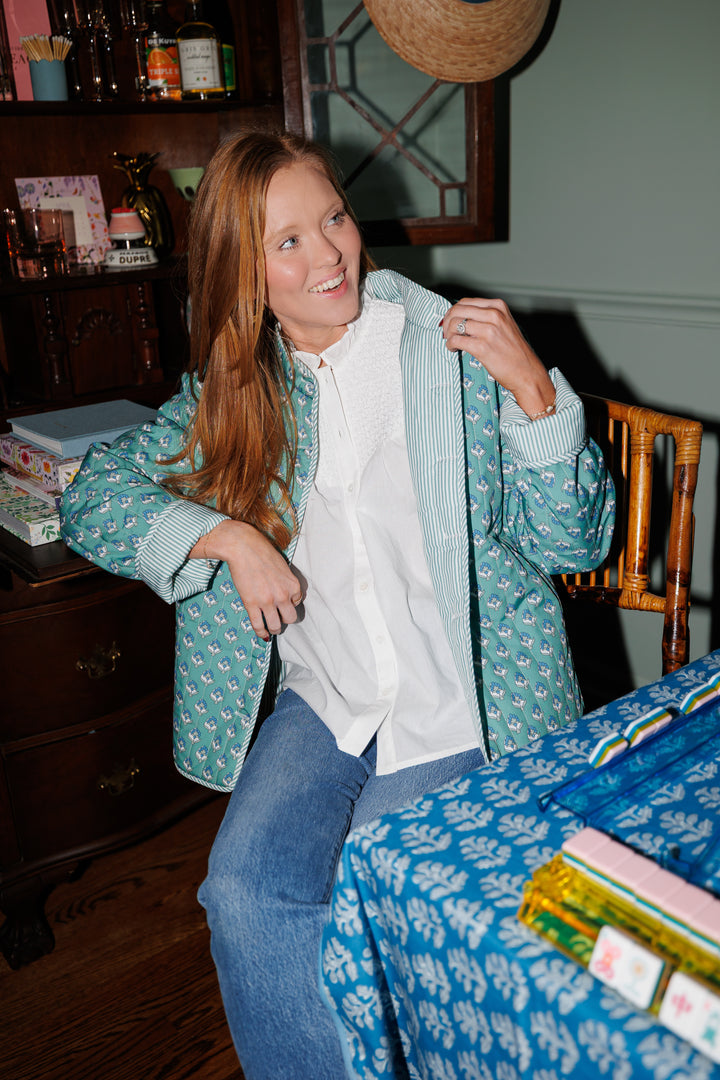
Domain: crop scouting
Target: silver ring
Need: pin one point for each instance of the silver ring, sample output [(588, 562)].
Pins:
[(461, 327)]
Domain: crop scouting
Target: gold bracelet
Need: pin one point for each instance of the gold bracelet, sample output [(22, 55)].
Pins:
[(547, 411), (210, 563)]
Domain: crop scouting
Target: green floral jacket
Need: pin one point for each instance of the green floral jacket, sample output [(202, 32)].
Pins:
[(503, 504)]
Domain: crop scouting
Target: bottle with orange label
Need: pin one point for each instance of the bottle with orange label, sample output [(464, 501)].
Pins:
[(163, 69)]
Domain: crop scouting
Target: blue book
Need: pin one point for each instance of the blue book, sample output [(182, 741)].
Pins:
[(69, 432)]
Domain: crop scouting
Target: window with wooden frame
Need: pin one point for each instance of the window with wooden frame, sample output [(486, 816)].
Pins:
[(424, 161)]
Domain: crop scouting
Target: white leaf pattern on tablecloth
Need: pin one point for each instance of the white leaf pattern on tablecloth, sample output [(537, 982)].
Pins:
[(607, 1048), (709, 797), (512, 1038), (424, 839), (431, 893), (508, 978), (484, 851), (473, 1023), (669, 1057), (559, 980), (554, 1036)]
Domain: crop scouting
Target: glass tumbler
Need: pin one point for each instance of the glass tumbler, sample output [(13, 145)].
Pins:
[(36, 242)]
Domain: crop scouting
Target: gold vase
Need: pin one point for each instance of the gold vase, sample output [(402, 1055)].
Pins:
[(147, 200)]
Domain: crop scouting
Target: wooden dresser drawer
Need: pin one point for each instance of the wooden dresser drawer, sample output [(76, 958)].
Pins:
[(71, 793), (86, 670), (82, 658)]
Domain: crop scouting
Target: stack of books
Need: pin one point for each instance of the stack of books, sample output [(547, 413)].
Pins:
[(41, 456)]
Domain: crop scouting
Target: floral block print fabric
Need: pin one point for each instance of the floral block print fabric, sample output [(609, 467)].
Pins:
[(424, 949)]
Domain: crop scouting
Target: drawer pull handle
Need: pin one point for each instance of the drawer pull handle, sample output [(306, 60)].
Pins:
[(102, 662), (120, 780)]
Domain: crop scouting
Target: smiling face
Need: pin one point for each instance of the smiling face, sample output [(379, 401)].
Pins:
[(312, 257)]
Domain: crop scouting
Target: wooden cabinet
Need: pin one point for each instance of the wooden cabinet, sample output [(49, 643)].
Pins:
[(63, 342), (84, 337), (86, 659), (85, 731)]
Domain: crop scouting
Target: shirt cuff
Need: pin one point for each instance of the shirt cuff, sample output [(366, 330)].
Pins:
[(551, 439), (162, 558)]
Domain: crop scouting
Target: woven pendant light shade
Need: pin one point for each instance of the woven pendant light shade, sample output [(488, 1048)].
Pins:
[(457, 41)]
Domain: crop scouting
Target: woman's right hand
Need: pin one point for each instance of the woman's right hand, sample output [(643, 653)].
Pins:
[(266, 585)]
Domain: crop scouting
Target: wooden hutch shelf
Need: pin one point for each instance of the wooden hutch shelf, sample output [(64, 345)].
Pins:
[(87, 658)]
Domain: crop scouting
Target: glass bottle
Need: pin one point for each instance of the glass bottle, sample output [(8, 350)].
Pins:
[(163, 71), (198, 48), (64, 23), (133, 17), (218, 15)]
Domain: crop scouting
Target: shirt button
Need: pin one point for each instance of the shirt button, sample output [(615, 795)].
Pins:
[(351, 487), (364, 586)]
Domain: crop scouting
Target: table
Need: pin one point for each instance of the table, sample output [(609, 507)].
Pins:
[(424, 948)]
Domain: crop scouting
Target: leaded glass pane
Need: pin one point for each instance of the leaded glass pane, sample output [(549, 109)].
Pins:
[(399, 135)]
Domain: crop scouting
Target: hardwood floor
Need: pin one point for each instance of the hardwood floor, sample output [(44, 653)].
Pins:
[(129, 992)]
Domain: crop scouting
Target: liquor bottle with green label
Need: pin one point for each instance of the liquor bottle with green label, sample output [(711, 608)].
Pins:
[(217, 13)]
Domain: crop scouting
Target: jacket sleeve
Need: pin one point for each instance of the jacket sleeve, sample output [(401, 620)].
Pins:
[(559, 498), (118, 514)]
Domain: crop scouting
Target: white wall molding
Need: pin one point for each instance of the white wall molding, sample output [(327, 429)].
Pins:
[(678, 310)]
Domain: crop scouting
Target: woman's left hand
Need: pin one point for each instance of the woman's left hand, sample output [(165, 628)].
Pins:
[(493, 337)]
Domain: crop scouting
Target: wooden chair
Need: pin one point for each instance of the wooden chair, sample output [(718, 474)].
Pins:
[(627, 436)]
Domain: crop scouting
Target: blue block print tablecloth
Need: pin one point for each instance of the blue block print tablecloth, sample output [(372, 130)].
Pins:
[(424, 949)]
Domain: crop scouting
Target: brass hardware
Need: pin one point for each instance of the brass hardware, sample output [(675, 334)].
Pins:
[(120, 780), (102, 662)]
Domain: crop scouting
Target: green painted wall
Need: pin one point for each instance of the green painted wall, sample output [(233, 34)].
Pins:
[(613, 260)]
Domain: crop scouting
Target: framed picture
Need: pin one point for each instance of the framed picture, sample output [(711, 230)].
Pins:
[(79, 197)]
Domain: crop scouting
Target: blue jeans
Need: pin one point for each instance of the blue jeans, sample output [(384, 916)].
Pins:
[(270, 877)]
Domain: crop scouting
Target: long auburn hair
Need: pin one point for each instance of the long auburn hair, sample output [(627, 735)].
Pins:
[(241, 440)]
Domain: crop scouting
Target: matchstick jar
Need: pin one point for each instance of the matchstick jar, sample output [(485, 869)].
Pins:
[(49, 82)]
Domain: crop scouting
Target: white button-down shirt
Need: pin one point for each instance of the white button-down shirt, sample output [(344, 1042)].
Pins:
[(369, 653)]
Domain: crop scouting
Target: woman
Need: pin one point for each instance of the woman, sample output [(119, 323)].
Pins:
[(373, 488)]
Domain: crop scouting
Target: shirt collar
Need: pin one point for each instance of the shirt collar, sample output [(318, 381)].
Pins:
[(334, 355)]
